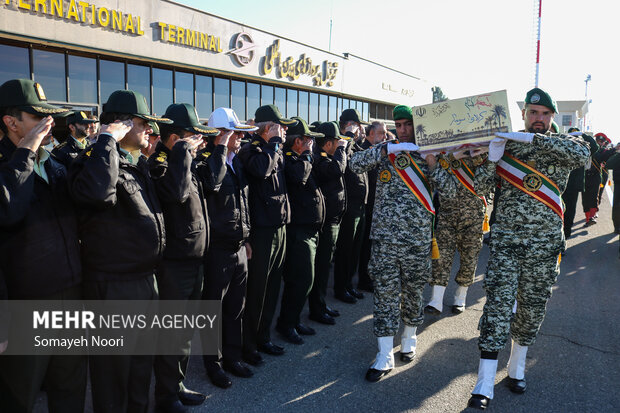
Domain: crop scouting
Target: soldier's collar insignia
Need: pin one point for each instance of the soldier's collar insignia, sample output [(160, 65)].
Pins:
[(324, 154), (206, 154), (289, 153), (163, 154), (256, 142), (385, 176), (89, 152)]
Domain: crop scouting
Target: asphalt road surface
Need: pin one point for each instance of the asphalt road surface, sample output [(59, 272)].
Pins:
[(573, 367)]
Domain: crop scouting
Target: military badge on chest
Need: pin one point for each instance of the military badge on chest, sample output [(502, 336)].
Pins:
[(402, 161), (532, 182), (385, 176), (550, 169)]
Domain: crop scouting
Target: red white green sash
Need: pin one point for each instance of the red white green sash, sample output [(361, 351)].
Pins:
[(531, 181), (412, 176), (466, 177)]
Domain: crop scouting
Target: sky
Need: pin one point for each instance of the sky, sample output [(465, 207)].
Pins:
[(465, 47)]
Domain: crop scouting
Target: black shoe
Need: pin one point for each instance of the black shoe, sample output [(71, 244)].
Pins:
[(304, 330), (170, 407), (219, 378), (617, 231), (252, 357), (374, 375), (515, 385), (478, 401), (590, 222), (407, 357), (290, 335), (429, 309), (238, 369), (322, 318), (458, 309), (270, 348), (331, 312), (356, 294), (365, 287), (190, 397), (345, 297)]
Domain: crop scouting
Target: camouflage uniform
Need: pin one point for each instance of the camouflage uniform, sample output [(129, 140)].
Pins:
[(459, 227), (400, 262), (527, 238)]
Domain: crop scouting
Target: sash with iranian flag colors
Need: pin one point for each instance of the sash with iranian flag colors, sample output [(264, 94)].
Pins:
[(466, 177), (414, 178), (532, 182)]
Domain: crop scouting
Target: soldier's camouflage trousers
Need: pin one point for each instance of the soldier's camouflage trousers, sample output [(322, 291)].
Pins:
[(462, 233), (524, 267), (399, 274)]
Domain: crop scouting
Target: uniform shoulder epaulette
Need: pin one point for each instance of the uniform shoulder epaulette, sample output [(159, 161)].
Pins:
[(324, 154), (206, 154), (161, 157), (62, 145), (289, 153), (256, 142)]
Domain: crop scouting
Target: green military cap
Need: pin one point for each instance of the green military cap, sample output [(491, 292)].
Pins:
[(132, 103), (554, 127), (79, 117), (155, 128), (402, 112), (314, 126), (573, 129), (302, 129), (271, 113), (352, 114), (184, 116), (330, 130), (28, 96), (537, 96)]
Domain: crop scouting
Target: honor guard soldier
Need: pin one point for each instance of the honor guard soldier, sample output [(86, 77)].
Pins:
[(302, 233), (330, 161), (263, 164), (351, 231), (527, 237), (613, 163), (400, 261), (39, 247), (80, 126), (179, 275), (226, 268), (459, 228), (122, 238)]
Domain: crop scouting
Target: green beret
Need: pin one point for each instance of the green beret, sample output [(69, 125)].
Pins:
[(402, 112), (554, 127), (573, 129), (538, 96)]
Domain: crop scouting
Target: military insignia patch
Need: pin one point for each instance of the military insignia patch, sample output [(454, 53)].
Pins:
[(89, 152), (402, 161), (256, 143), (444, 164), (39, 90), (455, 164), (162, 156), (324, 154), (551, 169), (289, 153), (206, 154), (83, 115), (535, 98), (385, 176), (532, 182)]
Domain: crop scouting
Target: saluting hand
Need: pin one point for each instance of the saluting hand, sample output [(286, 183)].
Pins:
[(223, 138), (117, 129), (33, 139)]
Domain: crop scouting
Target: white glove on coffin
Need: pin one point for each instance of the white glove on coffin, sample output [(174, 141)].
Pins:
[(496, 149), (525, 137)]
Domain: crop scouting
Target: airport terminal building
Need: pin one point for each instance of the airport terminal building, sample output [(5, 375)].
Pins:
[(80, 52)]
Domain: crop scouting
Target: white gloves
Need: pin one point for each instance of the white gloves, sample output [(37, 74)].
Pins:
[(399, 147), (524, 137), (496, 149)]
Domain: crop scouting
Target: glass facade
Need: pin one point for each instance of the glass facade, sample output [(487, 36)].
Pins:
[(81, 79)]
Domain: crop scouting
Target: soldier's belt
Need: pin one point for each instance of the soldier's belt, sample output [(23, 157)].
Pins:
[(414, 178), (532, 182)]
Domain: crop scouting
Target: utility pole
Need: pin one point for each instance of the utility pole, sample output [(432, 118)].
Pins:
[(538, 43)]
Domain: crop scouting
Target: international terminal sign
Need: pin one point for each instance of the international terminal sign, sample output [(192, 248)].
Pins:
[(170, 33)]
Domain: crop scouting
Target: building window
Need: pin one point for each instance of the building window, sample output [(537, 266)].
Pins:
[(162, 90), (49, 71), (204, 96), (280, 99), (314, 108), (15, 63), (567, 120), (139, 80), (111, 78), (291, 103), (82, 79), (253, 99), (365, 111), (221, 96), (323, 108), (238, 98), (266, 95), (303, 105), (333, 108), (184, 88), (345, 104)]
